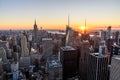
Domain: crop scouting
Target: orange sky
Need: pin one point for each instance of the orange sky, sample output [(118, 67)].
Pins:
[(53, 14)]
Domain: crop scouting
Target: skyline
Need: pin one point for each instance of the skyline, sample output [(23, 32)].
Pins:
[(53, 14)]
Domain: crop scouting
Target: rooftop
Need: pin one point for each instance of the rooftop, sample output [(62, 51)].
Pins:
[(53, 62), (66, 48), (45, 39), (117, 57), (98, 55)]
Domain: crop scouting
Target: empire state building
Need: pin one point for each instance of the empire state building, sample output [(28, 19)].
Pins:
[(35, 32)]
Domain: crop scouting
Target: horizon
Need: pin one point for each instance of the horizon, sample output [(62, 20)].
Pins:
[(53, 14)]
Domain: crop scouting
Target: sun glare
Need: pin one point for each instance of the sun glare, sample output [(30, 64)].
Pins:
[(82, 28)]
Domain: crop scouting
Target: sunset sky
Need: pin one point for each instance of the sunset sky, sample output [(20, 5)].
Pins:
[(53, 14)]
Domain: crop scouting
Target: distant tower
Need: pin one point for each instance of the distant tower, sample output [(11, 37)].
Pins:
[(25, 51), (41, 28), (85, 27), (109, 32), (67, 31), (117, 37), (35, 32), (109, 41), (24, 61), (3, 54)]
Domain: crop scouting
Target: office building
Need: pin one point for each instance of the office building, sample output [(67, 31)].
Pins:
[(69, 59), (97, 67), (83, 59)]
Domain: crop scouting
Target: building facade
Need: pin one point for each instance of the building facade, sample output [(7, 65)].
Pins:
[(83, 59), (69, 59), (97, 67), (115, 68)]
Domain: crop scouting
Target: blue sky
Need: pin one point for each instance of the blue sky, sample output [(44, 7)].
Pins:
[(54, 13)]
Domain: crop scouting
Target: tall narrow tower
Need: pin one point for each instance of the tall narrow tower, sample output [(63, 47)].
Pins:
[(35, 32), (67, 31), (85, 27)]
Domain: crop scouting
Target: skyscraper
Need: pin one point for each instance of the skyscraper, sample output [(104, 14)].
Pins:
[(97, 67), (3, 55), (109, 32), (25, 58), (69, 60), (117, 37), (25, 51), (83, 59), (35, 32)]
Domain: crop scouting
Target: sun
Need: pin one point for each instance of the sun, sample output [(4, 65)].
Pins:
[(83, 28)]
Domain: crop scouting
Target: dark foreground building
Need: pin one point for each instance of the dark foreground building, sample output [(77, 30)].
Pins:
[(83, 59), (69, 59), (97, 67)]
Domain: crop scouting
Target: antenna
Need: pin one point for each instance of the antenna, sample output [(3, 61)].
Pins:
[(35, 21), (68, 20), (85, 27)]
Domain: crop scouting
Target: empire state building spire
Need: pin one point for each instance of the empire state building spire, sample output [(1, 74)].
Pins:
[(35, 21), (35, 32)]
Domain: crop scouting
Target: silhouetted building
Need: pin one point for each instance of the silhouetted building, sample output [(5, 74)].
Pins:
[(117, 37), (109, 34), (35, 32), (69, 59), (97, 67), (56, 46), (96, 43), (83, 60), (109, 43), (68, 30)]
